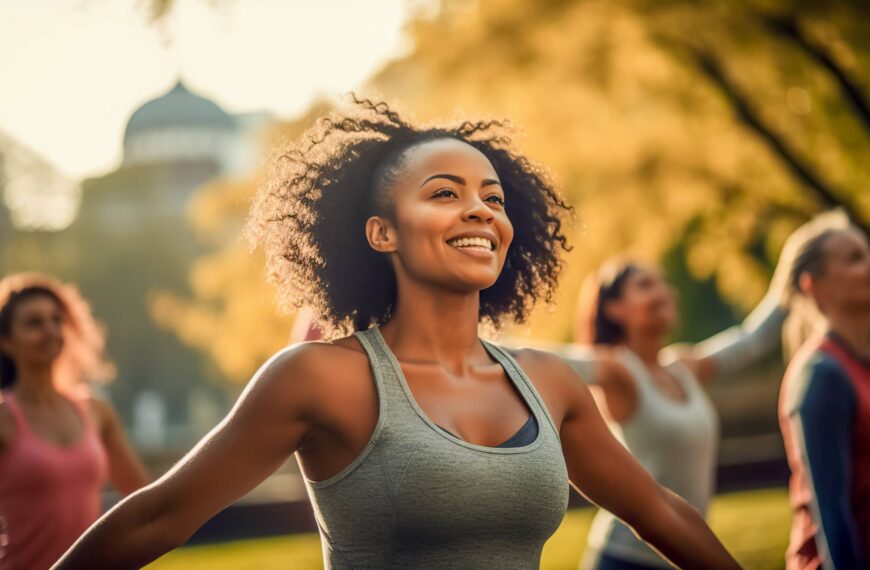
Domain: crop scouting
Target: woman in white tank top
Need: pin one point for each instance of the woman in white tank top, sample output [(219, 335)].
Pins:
[(652, 401)]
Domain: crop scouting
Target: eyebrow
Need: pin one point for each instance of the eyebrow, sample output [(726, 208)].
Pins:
[(460, 180)]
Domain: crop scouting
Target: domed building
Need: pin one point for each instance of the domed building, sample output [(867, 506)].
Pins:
[(177, 126), (134, 239)]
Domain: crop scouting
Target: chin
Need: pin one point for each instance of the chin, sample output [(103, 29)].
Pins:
[(476, 280), (481, 284)]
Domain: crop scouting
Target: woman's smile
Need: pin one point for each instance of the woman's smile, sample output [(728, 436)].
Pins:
[(481, 245)]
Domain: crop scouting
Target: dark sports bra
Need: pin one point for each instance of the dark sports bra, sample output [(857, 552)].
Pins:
[(524, 436)]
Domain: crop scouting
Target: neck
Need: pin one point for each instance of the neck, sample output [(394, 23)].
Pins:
[(646, 345), (434, 326), (35, 384), (854, 329)]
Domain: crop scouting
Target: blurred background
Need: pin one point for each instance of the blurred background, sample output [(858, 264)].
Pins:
[(694, 135)]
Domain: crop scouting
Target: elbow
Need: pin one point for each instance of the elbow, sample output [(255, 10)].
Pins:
[(670, 512), (165, 525), (160, 523)]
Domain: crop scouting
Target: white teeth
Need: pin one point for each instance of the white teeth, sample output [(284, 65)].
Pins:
[(472, 242)]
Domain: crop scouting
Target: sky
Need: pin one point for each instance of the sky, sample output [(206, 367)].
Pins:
[(73, 71)]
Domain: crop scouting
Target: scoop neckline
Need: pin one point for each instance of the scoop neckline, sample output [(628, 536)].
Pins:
[(22, 423), (652, 385), (491, 351)]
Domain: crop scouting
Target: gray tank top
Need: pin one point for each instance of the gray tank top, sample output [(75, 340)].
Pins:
[(675, 441), (418, 497)]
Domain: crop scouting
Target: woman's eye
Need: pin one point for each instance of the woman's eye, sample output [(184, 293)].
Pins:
[(444, 193), (496, 199)]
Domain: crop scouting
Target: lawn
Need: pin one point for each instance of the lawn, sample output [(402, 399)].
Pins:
[(753, 525)]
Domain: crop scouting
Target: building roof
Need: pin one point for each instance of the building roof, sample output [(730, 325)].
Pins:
[(177, 108)]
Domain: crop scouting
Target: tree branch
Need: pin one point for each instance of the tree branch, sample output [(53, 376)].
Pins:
[(711, 68), (789, 28)]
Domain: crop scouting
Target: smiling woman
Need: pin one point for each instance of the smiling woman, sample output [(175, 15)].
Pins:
[(325, 188), (421, 445)]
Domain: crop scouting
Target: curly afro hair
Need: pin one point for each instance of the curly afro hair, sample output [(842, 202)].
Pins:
[(310, 218)]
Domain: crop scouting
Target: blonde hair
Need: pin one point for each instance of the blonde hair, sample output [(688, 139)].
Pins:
[(806, 244)]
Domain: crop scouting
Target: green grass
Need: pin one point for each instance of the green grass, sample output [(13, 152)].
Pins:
[(752, 525)]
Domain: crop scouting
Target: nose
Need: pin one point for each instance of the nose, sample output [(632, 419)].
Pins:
[(55, 329), (478, 211)]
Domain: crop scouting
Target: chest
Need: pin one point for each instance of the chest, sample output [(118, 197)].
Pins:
[(682, 418), (482, 406), (34, 466), (61, 426)]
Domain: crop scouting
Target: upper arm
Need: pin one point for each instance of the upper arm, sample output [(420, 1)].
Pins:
[(125, 469), (266, 425), (823, 419)]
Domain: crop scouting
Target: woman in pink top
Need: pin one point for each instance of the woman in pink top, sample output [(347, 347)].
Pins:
[(58, 445)]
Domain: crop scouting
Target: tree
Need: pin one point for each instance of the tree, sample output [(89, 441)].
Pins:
[(712, 127), (701, 132)]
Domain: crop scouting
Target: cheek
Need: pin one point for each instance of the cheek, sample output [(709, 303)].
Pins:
[(35, 338), (505, 231), (644, 302), (421, 232), (862, 271)]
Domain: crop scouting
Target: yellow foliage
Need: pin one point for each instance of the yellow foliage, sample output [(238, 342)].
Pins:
[(606, 95)]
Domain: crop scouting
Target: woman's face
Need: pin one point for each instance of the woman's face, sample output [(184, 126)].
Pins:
[(450, 227), (647, 303), (845, 281), (36, 331)]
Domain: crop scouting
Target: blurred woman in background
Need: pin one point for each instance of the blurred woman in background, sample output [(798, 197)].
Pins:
[(825, 404), (58, 444), (653, 398)]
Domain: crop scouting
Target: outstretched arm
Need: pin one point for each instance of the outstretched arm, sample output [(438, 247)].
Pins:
[(604, 472), (266, 425), (733, 350), (738, 347)]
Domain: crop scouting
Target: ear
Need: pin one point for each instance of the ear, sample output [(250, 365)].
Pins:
[(806, 284), (381, 234), (5, 346)]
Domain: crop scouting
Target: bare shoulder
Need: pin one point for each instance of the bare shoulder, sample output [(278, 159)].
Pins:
[(320, 362), (612, 369), (101, 411), (310, 372), (542, 360), (558, 383)]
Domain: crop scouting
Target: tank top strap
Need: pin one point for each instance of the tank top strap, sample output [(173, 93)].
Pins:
[(521, 381), (385, 373), (639, 372), (21, 427), (82, 408), (685, 377)]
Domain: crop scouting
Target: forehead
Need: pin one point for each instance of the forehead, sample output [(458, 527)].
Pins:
[(447, 156), (844, 241), (36, 303), (644, 272)]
